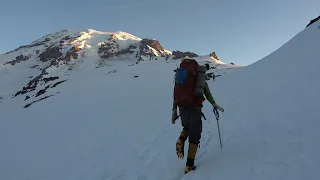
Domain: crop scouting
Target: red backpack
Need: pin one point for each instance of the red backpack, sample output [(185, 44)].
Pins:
[(185, 83)]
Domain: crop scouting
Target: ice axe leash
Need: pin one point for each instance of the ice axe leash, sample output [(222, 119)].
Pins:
[(216, 113)]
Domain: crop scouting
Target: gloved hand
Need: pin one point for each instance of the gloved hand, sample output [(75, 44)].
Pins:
[(215, 105), (174, 115)]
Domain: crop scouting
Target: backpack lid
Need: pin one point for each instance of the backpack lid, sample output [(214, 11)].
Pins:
[(181, 76)]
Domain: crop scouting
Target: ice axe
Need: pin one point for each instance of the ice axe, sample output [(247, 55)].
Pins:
[(216, 113), (174, 120)]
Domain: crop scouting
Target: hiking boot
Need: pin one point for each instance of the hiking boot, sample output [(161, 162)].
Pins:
[(189, 168), (192, 151), (180, 144), (180, 149)]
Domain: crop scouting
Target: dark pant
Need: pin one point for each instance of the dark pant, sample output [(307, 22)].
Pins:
[(192, 123)]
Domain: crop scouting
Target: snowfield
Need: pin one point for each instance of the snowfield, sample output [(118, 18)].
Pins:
[(113, 123)]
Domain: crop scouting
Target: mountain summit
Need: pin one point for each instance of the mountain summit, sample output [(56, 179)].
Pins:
[(42, 65)]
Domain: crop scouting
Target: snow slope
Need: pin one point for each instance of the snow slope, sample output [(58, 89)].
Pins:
[(114, 123), (270, 127)]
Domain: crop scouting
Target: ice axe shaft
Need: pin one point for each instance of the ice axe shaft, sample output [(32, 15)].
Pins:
[(216, 113), (219, 134)]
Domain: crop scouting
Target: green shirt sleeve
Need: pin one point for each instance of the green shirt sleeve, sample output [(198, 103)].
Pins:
[(208, 95), (174, 106)]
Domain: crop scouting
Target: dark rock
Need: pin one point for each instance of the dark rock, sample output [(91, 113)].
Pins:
[(313, 21), (34, 66), (108, 50), (214, 55), (17, 60), (180, 55), (32, 84), (42, 91), (152, 43), (129, 50), (65, 39), (112, 37), (29, 104), (20, 92), (72, 53), (49, 79), (27, 97), (57, 83), (144, 51), (111, 49), (50, 53)]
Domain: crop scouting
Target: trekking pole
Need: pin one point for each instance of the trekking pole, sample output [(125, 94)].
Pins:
[(216, 113)]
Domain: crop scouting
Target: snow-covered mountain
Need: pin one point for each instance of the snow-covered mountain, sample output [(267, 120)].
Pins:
[(33, 70), (113, 122)]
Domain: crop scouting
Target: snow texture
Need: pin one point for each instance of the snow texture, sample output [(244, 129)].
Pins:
[(114, 123)]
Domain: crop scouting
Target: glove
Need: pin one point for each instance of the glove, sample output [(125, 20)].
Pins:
[(215, 105), (174, 116)]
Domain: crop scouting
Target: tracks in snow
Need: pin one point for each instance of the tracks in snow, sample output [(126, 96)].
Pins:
[(156, 158)]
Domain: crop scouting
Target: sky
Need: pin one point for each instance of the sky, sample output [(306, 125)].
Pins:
[(241, 32)]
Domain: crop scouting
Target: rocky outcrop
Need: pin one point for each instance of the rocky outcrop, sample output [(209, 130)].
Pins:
[(152, 43), (112, 37), (66, 39), (108, 49), (144, 51), (46, 80), (42, 91), (32, 84), (51, 56), (141, 50), (18, 59), (29, 104), (72, 53), (50, 53), (313, 21), (179, 54), (111, 49), (27, 97), (57, 83), (214, 55), (54, 55)]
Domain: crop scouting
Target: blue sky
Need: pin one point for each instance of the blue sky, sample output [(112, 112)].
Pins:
[(238, 31)]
